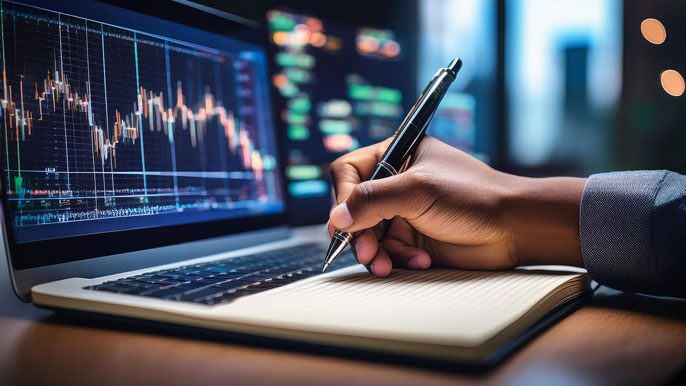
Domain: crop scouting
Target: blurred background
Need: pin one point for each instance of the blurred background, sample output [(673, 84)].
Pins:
[(548, 87)]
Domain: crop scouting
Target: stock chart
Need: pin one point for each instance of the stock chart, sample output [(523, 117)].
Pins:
[(108, 123)]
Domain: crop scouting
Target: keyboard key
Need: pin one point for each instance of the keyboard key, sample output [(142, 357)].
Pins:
[(257, 277), (188, 272), (233, 284), (188, 278), (220, 269), (190, 286), (120, 288), (168, 275), (165, 293), (229, 275), (278, 271), (202, 294), (211, 280), (131, 283), (151, 280)]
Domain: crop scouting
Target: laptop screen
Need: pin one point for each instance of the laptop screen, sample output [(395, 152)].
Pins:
[(116, 123)]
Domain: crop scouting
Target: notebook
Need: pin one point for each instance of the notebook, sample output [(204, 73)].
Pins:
[(438, 314)]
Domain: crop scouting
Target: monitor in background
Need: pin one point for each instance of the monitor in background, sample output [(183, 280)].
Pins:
[(338, 87), (112, 128)]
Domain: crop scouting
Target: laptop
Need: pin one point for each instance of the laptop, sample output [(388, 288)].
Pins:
[(141, 179), (144, 151)]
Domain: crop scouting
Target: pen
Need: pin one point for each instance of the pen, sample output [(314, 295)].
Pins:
[(407, 138)]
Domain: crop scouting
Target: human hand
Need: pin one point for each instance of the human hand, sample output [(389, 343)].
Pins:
[(449, 209)]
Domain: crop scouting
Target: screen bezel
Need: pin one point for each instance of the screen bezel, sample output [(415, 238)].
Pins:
[(43, 253)]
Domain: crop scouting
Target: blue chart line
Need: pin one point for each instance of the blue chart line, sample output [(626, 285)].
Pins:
[(80, 97)]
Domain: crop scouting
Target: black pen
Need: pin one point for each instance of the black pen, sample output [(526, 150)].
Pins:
[(407, 138)]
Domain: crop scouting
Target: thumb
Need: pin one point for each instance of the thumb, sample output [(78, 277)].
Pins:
[(371, 202)]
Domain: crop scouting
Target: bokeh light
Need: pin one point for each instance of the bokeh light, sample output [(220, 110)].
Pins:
[(318, 39), (672, 82), (653, 31), (377, 43), (280, 81)]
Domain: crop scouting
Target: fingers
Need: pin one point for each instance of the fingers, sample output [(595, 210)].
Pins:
[(369, 253), (373, 201), (381, 265), (365, 246), (406, 256), (355, 167), (381, 257)]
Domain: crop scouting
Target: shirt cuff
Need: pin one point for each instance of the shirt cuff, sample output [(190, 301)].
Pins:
[(615, 229)]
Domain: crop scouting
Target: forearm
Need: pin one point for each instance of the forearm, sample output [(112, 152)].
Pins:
[(543, 219), (628, 229)]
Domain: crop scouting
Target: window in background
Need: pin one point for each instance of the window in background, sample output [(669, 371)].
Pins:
[(563, 80), (464, 29)]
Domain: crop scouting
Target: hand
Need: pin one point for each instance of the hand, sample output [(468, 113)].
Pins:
[(449, 209)]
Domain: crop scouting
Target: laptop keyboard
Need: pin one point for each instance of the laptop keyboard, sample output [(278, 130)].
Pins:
[(222, 281)]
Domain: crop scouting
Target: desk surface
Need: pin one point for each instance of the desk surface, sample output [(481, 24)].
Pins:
[(617, 339)]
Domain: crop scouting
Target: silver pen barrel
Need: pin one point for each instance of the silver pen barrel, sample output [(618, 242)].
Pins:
[(339, 242)]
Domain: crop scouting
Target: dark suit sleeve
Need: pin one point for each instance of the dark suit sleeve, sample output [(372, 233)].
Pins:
[(632, 227)]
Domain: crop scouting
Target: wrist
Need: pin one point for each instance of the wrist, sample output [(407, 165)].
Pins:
[(542, 217)]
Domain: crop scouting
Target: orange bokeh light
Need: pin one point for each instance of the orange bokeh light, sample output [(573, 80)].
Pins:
[(338, 142), (391, 49), (333, 43), (318, 39), (653, 31), (280, 38), (314, 24), (367, 45), (672, 82), (280, 81)]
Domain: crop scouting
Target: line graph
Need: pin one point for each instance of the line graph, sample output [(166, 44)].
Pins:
[(106, 122)]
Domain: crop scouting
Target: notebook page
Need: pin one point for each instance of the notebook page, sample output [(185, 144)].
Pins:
[(441, 306)]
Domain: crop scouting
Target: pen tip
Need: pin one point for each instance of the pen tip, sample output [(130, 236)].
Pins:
[(326, 265)]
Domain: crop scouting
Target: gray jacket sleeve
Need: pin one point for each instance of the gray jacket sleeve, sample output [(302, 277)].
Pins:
[(632, 227)]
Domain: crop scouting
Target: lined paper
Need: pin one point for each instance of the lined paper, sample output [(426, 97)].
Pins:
[(442, 306)]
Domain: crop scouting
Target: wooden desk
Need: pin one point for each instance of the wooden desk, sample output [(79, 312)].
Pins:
[(617, 339)]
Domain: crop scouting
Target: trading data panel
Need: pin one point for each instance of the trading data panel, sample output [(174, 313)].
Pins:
[(109, 128), (339, 88)]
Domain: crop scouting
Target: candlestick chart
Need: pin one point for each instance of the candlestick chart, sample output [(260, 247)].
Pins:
[(105, 122)]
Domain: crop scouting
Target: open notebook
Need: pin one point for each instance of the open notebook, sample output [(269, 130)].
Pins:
[(437, 314)]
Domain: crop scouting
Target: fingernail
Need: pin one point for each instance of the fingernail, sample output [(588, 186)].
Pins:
[(373, 270), (340, 217), (416, 262), (358, 246)]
